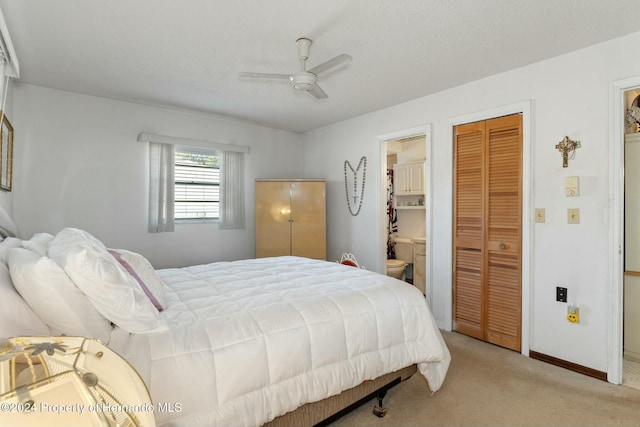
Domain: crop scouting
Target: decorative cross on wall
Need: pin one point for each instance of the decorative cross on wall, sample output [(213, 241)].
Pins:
[(567, 146)]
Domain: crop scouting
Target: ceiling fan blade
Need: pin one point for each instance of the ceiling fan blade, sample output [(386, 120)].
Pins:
[(317, 92), (265, 75), (338, 60)]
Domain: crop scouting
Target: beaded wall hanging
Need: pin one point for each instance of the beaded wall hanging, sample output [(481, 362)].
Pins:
[(357, 198)]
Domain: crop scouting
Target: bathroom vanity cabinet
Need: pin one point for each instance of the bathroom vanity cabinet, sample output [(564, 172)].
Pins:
[(420, 265)]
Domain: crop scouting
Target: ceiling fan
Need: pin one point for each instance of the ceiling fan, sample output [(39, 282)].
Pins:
[(305, 80)]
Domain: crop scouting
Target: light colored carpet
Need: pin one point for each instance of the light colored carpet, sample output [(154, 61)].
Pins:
[(490, 386)]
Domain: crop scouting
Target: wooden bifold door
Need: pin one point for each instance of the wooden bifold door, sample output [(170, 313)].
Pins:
[(488, 230)]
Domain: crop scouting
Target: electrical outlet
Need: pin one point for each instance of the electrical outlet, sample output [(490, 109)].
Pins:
[(561, 294), (540, 215), (574, 317), (573, 216)]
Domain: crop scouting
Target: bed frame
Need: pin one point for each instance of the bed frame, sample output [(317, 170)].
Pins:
[(326, 411)]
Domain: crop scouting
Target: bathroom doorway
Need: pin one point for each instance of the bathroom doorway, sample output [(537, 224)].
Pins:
[(621, 96), (631, 275), (405, 203)]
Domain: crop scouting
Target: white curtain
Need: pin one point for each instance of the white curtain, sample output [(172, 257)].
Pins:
[(161, 187), (232, 190)]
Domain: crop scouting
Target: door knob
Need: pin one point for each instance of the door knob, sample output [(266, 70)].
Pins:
[(503, 246)]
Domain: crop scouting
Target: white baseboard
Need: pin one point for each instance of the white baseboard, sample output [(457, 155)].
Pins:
[(632, 355)]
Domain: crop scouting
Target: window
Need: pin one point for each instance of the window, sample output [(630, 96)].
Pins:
[(192, 182), (197, 183)]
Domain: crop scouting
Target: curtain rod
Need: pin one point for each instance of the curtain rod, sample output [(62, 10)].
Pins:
[(150, 137)]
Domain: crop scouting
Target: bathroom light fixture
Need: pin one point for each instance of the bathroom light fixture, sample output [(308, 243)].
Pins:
[(567, 146)]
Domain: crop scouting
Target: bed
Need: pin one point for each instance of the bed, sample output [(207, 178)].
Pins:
[(284, 340)]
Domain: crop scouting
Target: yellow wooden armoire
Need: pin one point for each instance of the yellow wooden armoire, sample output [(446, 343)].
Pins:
[(291, 218)]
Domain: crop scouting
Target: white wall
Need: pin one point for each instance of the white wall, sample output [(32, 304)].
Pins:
[(570, 96), (77, 164), (6, 197)]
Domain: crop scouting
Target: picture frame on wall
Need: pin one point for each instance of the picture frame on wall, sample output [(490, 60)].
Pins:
[(6, 152)]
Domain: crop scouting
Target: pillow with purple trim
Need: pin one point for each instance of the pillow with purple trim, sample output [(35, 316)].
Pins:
[(110, 288), (144, 274)]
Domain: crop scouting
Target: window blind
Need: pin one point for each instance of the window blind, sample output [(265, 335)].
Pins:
[(197, 184)]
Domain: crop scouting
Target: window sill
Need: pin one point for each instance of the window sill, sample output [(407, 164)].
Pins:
[(197, 221)]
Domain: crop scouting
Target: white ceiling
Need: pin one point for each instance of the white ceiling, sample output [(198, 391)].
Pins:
[(187, 54)]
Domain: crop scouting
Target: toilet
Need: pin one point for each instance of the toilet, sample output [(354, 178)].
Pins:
[(404, 256)]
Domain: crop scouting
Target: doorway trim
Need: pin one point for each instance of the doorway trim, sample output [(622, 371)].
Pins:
[(616, 227), (524, 107), (428, 198)]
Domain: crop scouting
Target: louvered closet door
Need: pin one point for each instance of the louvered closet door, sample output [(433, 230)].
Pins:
[(487, 230), (503, 220), (468, 229)]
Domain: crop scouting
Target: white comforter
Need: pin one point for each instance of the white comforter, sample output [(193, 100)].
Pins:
[(250, 340)]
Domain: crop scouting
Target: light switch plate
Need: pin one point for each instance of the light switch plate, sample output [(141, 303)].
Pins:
[(540, 215), (572, 186), (573, 216)]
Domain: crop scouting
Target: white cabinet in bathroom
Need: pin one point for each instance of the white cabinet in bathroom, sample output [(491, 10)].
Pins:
[(408, 180)]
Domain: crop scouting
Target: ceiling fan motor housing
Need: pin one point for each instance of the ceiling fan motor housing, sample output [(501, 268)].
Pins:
[(303, 80)]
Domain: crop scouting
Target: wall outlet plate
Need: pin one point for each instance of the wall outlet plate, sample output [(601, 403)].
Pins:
[(540, 215), (561, 294)]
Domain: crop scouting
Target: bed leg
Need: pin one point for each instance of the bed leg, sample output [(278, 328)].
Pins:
[(378, 410)]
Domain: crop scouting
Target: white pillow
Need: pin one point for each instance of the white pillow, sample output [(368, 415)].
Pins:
[(111, 290), (6, 223), (54, 297), (38, 243), (144, 271), (6, 245), (17, 318)]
